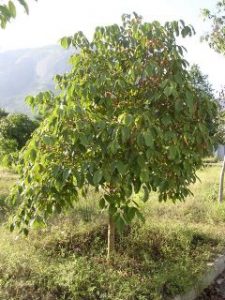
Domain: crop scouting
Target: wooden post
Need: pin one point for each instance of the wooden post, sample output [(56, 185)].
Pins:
[(220, 199), (111, 237)]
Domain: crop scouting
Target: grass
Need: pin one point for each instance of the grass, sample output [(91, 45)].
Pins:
[(155, 260), (7, 179)]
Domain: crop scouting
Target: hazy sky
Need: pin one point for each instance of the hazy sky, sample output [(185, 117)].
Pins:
[(49, 20)]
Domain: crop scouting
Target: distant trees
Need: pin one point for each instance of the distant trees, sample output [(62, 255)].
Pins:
[(127, 119), (18, 127), (8, 11), (216, 36), (15, 131), (202, 85), (3, 113), (216, 39), (200, 81)]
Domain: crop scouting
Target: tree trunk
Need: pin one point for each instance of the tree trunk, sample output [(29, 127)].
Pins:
[(111, 238), (221, 182)]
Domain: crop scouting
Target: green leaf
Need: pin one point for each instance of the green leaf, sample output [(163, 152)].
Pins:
[(140, 140), (12, 9), (186, 31), (24, 4), (149, 141), (37, 223), (137, 186), (173, 152), (144, 176), (127, 187), (79, 179), (33, 155), (145, 194), (65, 42), (168, 91), (140, 216), (189, 100), (121, 167), (97, 177), (125, 134), (49, 140), (102, 203), (66, 174), (129, 213), (126, 119), (25, 231), (113, 147), (12, 227)]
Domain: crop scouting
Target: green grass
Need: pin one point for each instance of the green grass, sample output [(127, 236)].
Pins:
[(155, 260), (7, 179)]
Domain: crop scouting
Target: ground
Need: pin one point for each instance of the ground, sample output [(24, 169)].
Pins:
[(155, 260)]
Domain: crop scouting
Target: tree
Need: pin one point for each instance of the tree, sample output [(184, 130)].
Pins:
[(201, 83), (18, 127), (15, 131), (3, 113), (216, 36), (8, 151), (221, 140), (127, 119), (8, 11)]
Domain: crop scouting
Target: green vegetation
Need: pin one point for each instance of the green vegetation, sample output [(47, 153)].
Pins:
[(162, 257), (140, 125), (8, 11), (130, 125), (15, 131), (215, 37), (7, 179)]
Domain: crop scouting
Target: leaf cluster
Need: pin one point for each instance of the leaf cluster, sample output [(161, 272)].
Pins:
[(127, 119), (215, 37), (8, 11)]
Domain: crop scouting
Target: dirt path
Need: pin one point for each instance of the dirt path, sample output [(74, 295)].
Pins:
[(216, 291)]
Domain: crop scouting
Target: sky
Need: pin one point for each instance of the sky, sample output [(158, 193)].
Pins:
[(49, 20)]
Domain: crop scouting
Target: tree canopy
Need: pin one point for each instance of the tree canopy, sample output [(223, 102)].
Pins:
[(126, 119)]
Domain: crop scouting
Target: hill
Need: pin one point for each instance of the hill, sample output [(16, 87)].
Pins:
[(28, 71)]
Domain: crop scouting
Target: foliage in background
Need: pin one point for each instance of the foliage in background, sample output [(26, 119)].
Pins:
[(201, 83), (15, 131), (127, 119), (8, 11), (216, 36), (3, 113)]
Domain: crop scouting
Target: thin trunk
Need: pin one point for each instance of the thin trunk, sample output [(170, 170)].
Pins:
[(111, 238), (221, 182)]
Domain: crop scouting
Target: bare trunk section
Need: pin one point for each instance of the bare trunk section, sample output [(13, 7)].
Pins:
[(220, 199), (111, 238)]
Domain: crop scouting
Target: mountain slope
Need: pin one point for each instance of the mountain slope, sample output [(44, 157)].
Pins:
[(28, 71)]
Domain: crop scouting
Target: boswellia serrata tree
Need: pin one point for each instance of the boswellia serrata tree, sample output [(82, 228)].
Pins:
[(126, 119)]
